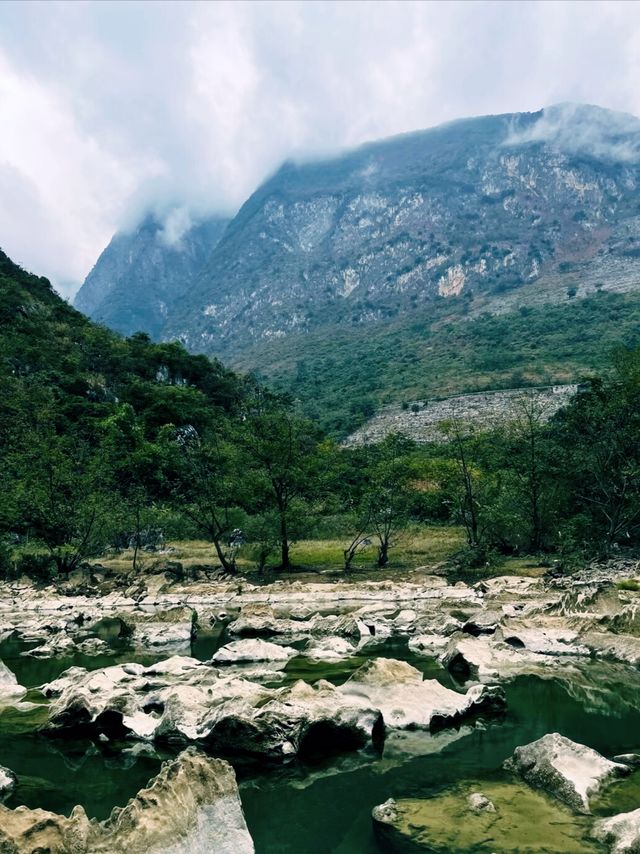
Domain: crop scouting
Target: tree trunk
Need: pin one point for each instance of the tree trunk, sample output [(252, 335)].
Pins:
[(229, 565), (285, 562), (137, 540), (383, 552)]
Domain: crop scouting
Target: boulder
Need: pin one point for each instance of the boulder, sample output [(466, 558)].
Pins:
[(480, 803), (408, 700), (252, 649), (260, 620), (430, 645), (10, 691), (509, 818), (8, 781), (569, 771), (174, 627), (486, 658), (621, 833), (330, 649), (545, 640), (482, 623), (192, 806), (183, 700)]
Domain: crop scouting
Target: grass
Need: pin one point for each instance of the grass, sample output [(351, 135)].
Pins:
[(628, 584), (421, 549), (417, 547)]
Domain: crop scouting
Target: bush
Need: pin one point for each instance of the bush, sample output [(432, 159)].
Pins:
[(35, 565), (7, 566), (477, 557)]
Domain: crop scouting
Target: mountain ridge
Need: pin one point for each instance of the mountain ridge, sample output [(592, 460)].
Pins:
[(144, 271), (416, 235)]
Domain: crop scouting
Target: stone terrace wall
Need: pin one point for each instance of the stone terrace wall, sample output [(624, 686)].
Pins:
[(483, 408)]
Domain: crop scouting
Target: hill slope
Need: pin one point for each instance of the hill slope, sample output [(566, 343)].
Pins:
[(142, 274), (475, 209), (486, 253), (54, 359)]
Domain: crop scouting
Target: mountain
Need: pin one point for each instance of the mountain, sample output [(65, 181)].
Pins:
[(143, 273), (477, 208), (487, 252)]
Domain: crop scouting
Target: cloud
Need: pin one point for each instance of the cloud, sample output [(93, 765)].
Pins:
[(111, 110), (587, 130)]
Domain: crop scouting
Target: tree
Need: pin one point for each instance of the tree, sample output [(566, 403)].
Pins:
[(204, 483), (281, 448), (387, 495), (462, 438), (518, 455), (62, 498), (133, 466), (596, 442)]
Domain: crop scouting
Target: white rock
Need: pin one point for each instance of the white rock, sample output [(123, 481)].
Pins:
[(406, 699), (252, 649), (7, 783), (620, 832), (330, 649), (571, 772)]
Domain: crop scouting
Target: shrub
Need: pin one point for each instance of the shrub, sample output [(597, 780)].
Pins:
[(7, 566), (38, 566)]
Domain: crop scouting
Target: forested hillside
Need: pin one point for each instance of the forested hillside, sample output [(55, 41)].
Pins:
[(342, 379), (106, 439)]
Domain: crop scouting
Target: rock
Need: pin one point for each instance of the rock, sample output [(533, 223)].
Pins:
[(605, 645), (191, 807), (630, 759), (480, 803), (482, 623), (183, 700), (26, 831), (241, 651), (174, 627), (509, 818), (545, 640), (8, 782), (431, 645), (330, 649), (260, 621), (485, 658), (406, 699), (620, 832), (10, 691), (571, 772)]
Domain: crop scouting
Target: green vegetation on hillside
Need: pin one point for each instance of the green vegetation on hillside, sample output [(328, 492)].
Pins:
[(343, 376), (108, 443)]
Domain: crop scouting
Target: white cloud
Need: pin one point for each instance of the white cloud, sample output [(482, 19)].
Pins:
[(111, 109)]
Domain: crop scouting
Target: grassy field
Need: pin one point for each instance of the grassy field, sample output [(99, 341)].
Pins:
[(419, 550)]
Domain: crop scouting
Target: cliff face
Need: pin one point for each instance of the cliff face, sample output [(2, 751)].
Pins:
[(470, 212), (142, 274)]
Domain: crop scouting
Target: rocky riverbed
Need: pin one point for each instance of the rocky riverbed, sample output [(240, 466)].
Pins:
[(329, 699)]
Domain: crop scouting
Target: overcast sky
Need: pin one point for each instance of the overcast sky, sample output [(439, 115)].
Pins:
[(108, 109)]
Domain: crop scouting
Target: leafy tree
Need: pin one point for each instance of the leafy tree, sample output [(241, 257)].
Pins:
[(596, 440), (61, 496), (204, 479), (468, 505), (282, 449), (132, 464), (386, 498)]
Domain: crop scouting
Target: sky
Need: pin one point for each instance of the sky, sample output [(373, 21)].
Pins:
[(109, 110)]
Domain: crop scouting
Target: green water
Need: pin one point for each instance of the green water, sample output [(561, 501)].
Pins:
[(326, 807)]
